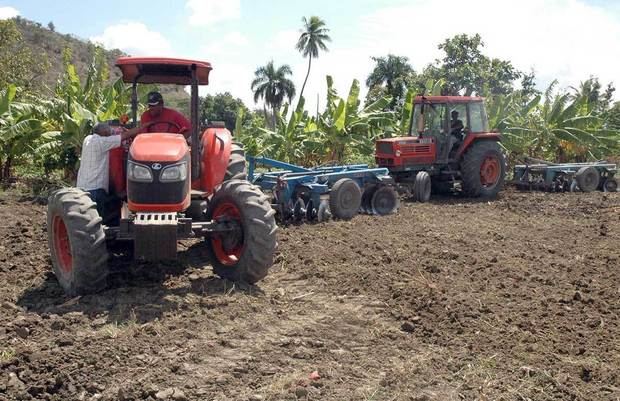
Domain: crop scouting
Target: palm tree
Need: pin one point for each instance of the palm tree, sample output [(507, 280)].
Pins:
[(313, 37), (273, 86), (393, 71)]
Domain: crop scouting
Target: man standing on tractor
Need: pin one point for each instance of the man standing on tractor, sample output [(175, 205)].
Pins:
[(164, 119), (93, 175)]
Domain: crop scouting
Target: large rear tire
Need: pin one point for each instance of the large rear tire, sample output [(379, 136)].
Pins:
[(245, 254), (236, 164), (483, 170), (77, 242)]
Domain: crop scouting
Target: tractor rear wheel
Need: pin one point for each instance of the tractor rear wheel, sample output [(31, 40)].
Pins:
[(236, 163), (245, 253), (422, 187), (77, 242), (588, 178), (483, 169), (345, 199)]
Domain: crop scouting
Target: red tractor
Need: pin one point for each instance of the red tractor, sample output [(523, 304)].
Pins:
[(453, 148), (163, 191)]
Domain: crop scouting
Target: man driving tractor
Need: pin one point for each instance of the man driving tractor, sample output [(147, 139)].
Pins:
[(164, 119)]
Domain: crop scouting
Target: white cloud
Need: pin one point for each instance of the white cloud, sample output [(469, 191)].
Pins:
[(230, 45), (135, 39), (210, 12), (8, 12), (236, 39), (285, 40), (564, 39)]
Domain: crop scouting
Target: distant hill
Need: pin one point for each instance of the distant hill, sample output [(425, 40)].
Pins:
[(43, 40)]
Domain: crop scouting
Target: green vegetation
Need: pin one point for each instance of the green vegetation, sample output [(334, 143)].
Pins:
[(43, 122)]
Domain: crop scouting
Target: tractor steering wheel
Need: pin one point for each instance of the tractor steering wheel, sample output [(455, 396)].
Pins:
[(170, 124)]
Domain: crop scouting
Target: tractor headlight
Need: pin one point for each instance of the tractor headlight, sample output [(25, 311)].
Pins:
[(138, 172), (176, 172)]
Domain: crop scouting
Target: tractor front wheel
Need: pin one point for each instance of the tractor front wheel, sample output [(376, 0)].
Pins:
[(245, 253), (77, 242), (422, 187), (483, 169)]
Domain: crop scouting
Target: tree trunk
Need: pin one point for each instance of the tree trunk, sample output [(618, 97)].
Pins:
[(6, 171), (266, 115), (1, 171), (305, 80), (273, 118)]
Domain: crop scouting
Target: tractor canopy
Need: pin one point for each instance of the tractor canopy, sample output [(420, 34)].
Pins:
[(162, 70)]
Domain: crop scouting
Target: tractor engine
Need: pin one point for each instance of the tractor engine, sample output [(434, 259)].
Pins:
[(158, 174), (158, 188), (405, 153)]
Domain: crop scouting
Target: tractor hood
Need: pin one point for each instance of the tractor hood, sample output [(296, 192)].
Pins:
[(158, 148)]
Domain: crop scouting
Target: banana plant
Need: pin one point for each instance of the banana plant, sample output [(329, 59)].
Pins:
[(78, 107), (286, 142), (557, 126), (344, 128), (20, 127)]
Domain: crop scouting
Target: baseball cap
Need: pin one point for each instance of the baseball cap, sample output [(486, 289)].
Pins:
[(154, 98)]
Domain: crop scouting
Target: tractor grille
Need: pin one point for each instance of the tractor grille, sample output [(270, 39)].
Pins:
[(384, 161), (384, 147), (415, 148)]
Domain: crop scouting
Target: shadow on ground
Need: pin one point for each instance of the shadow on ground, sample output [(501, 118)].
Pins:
[(137, 291)]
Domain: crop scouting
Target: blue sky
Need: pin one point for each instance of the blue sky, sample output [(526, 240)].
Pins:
[(565, 39)]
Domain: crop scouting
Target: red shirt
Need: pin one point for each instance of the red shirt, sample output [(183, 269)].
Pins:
[(166, 115)]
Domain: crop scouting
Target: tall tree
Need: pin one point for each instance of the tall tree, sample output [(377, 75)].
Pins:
[(394, 72), (223, 107), (313, 37), (468, 71), (273, 85)]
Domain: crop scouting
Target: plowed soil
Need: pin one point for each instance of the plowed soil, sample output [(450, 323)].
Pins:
[(515, 299)]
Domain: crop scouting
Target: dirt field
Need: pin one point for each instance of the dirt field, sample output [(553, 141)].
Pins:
[(517, 299)]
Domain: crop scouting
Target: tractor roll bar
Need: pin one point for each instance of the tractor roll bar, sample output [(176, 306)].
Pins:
[(134, 102), (195, 125)]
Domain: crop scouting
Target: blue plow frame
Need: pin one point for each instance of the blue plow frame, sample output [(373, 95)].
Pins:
[(289, 181)]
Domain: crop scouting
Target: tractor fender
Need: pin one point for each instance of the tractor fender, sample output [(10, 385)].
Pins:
[(215, 149), (471, 138)]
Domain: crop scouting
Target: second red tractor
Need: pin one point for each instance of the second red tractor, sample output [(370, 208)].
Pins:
[(449, 147)]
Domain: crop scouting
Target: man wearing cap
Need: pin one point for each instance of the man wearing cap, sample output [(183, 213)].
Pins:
[(94, 173), (164, 119)]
